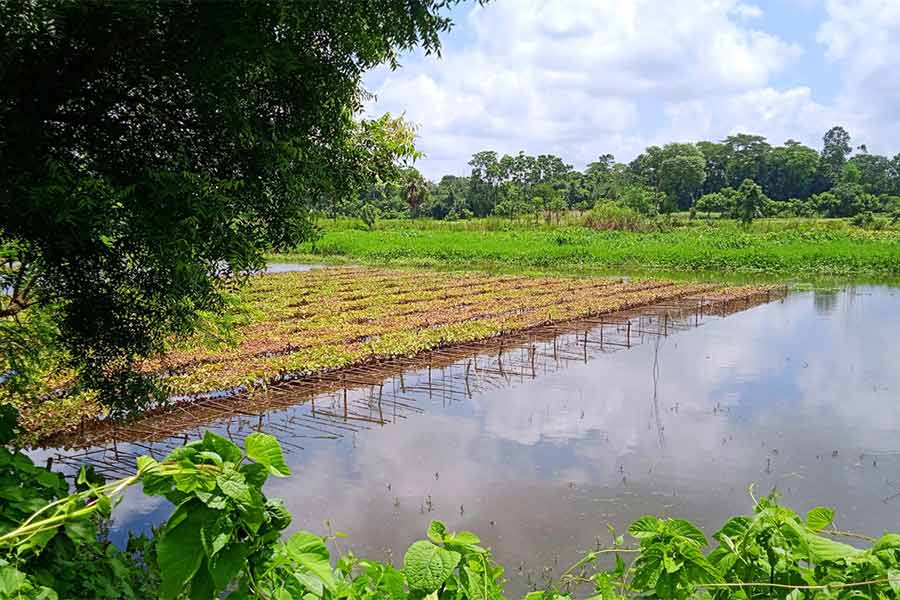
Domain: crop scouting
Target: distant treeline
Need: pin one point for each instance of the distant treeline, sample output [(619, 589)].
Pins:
[(795, 180)]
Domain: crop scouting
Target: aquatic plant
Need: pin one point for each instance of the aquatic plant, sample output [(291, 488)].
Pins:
[(305, 324)]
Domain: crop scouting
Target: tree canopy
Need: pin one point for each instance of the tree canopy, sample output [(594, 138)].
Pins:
[(793, 180), (150, 152)]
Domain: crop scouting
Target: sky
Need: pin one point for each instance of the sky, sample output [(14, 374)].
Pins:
[(581, 78)]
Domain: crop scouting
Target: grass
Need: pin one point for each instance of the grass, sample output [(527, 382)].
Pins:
[(776, 247), (302, 324)]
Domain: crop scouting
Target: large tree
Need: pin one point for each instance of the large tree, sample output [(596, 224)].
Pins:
[(790, 171), (150, 151), (835, 150)]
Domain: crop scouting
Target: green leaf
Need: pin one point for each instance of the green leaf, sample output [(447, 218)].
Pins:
[(819, 518), (463, 538), (225, 565), (646, 526), (191, 479), (224, 447), (437, 531), (81, 532), (11, 580), (210, 455), (255, 474), (311, 554), (234, 486), (686, 529), (180, 549), (265, 450), (427, 566), (202, 587), (826, 550), (894, 580)]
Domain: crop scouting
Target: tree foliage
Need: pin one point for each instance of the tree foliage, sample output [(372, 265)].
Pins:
[(151, 151)]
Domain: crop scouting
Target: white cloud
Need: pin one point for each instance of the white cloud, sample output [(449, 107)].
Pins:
[(778, 115), (748, 11), (580, 78), (862, 39)]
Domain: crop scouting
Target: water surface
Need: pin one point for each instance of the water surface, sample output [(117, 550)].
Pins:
[(798, 396)]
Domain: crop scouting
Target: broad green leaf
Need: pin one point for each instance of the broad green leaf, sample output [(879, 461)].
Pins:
[(819, 518), (888, 540), (180, 550), (825, 550), (427, 566), (644, 527), (210, 455), (10, 581), (686, 529), (224, 447), (234, 486), (463, 538), (311, 554), (190, 479), (254, 473), (202, 587), (534, 596), (648, 568), (36, 542), (278, 515), (894, 580), (81, 532), (437, 531), (225, 565), (477, 585), (265, 450), (216, 535)]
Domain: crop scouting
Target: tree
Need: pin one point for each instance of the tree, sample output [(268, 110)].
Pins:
[(150, 152), (484, 181), (746, 157), (641, 199), (369, 215), (749, 201), (874, 173), (414, 190), (682, 174), (835, 150), (790, 171), (716, 156)]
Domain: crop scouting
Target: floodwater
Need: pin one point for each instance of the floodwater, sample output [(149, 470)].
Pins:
[(798, 395)]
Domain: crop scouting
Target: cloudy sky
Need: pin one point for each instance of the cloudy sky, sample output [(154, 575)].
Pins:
[(580, 78)]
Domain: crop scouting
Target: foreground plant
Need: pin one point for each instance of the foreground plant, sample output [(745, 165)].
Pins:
[(225, 537)]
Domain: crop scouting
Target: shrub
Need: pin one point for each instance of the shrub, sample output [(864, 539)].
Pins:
[(609, 215), (369, 214)]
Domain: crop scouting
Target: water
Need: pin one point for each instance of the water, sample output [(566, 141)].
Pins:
[(287, 267), (799, 395)]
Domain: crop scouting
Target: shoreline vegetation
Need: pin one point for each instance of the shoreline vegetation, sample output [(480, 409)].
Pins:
[(300, 324), (771, 249)]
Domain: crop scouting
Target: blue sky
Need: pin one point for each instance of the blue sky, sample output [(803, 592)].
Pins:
[(580, 78)]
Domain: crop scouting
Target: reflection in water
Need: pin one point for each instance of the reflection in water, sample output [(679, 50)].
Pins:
[(538, 448)]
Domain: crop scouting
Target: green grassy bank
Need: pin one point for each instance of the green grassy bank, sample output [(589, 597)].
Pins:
[(780, 248)]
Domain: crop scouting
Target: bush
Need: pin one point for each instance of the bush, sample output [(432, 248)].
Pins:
[(612, 216), (369, 214)]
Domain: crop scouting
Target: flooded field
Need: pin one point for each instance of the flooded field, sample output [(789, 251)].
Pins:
[(538, 444)]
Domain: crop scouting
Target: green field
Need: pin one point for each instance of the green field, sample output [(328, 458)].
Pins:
[(779, 248)]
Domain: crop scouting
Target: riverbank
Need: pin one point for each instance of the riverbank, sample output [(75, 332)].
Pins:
[(777, 249)]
